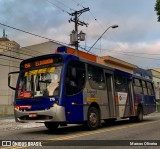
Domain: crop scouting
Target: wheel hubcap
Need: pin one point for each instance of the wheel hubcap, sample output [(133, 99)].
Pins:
[(93, 119)]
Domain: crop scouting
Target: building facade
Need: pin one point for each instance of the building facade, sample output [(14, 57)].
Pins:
[(116, 63), (156, 79)]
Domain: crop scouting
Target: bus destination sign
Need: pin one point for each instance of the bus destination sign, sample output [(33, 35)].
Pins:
[(41, 62)]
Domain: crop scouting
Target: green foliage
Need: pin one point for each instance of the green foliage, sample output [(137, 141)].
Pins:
[(157, 8)]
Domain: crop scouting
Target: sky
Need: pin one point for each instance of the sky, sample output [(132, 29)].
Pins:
[(136, 40)]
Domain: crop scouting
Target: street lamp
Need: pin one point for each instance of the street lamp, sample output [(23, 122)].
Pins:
[(112, 26)]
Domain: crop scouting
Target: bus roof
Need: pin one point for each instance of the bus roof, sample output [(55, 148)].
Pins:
[(142, 74), (65, 57)]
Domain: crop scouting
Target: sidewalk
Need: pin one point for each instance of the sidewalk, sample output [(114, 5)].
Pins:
[(8, 123), (6, 117), (154, 114)]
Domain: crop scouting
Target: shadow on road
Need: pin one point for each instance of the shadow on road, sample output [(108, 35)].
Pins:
[(71, 129)]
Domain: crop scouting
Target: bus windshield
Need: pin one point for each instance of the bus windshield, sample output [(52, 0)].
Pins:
[(40, 82)]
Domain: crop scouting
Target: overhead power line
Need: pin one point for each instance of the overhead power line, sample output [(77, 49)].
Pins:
[(87, 50), (11, 57), (136, 52), (134, 55), (80, 4), (122, 53), (23, 53), (58, 7), (65, 5), (9, 60), (32, 50), (14, 51), (51, 40)]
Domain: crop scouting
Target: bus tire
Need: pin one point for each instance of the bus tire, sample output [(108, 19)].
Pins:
[(93, 118), (139, 116), (51, 125)]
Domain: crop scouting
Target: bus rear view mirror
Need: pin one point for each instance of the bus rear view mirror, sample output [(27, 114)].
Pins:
[(12, 79)]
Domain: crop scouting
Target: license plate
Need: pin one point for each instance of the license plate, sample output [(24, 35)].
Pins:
[(32, 114)]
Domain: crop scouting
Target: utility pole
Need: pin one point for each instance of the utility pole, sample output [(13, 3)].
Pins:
[(77, 22)]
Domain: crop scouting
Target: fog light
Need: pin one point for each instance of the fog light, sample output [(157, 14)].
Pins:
[(54, 105)]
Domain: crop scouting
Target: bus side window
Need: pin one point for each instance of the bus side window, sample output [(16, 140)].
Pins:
[(96, 77), (137, 86), (150, 88), (75, 77), (120, 83), (144, 85)]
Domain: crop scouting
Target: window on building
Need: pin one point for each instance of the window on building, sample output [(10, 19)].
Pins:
[(96, 77), (121, 83), (137, 86), (75, 77)]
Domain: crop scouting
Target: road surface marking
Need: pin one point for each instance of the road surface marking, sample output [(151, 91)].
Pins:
[(89, 133), (102, 131)]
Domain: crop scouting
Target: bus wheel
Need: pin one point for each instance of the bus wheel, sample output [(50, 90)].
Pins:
[(51, 125), (139, 117), (93, 119)]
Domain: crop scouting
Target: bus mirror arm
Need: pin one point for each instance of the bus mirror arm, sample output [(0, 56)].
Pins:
[(9, 79)]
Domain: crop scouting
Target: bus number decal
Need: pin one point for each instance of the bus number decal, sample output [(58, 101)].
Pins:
[(92, 93)]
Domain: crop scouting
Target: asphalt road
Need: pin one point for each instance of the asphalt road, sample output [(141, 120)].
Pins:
[(107, 136)]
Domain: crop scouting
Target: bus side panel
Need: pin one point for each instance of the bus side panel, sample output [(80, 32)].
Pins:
[(99, 98), (149, 104), (74, 108)]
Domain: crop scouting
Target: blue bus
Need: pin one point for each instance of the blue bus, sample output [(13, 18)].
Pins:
[(59, 89)]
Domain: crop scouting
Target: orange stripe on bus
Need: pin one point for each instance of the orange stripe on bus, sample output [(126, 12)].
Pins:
[(82, 54)]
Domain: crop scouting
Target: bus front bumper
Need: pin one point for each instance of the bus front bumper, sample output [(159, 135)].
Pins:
[(54, 114)]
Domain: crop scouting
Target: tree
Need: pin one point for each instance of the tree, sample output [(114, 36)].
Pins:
[(157, 8)]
